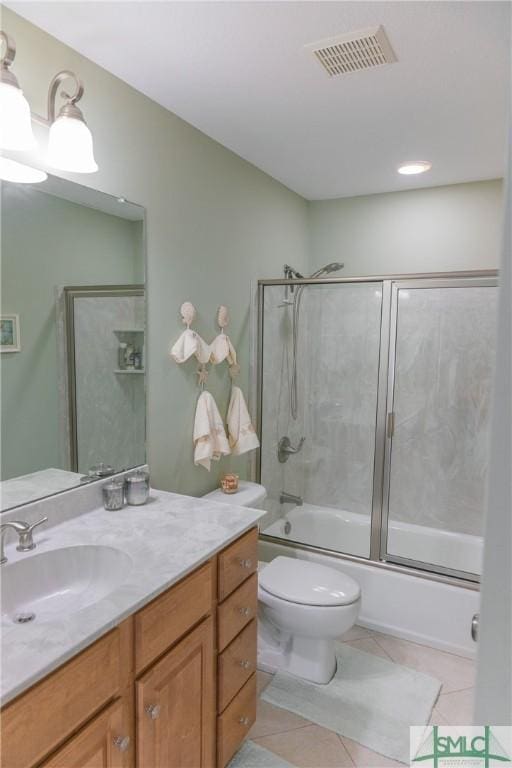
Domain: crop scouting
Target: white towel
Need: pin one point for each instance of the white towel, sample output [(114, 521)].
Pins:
[(190, 343), (210, 441), (223, 349), (242, 437)]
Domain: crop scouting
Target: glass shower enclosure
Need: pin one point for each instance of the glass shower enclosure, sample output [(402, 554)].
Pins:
[(373, 408)]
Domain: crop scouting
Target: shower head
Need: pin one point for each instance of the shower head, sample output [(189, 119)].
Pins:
[(335, 266)]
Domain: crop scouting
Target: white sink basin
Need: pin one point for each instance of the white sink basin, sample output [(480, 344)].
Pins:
[(55, 584)]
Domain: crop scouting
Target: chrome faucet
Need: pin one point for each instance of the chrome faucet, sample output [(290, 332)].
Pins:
[(24, 531), (290, 498), (285, 449)]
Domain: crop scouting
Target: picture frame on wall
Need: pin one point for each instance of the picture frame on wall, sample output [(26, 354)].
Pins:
[(10, 333)]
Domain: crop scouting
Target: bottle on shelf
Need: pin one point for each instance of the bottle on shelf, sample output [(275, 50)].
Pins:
[(121, 361)]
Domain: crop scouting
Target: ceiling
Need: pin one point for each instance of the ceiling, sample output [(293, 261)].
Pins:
[(240, 73)]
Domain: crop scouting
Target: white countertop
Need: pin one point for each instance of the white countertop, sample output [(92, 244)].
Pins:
[(166, 539)]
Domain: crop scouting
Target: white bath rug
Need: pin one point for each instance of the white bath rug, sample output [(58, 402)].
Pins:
[(370, 700), (251, 755)]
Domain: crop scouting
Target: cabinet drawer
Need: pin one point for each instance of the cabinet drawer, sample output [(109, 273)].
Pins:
[(106, 742), (237, 562), (171, 615), (41, 719), (236, 664), (237, 611), (235, 722)]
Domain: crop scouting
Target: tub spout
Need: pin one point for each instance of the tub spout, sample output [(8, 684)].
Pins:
[(290, 498)]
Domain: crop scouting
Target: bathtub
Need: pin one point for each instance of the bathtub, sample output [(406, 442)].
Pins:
[(349, 532), (397, 602)]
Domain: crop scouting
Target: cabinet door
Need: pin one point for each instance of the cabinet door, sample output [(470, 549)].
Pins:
[(176, 706), (103, 743)]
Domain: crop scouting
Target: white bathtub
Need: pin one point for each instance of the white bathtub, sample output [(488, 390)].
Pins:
[(419, 609), (349, 533)]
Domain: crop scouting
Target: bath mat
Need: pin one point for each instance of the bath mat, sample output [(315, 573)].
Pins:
[(370, 700), (251, 755)]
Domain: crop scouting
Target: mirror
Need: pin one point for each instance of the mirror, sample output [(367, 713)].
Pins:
[(72, 351)]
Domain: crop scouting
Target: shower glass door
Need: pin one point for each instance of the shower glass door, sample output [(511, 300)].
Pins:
[(442, 352), (320, 355)]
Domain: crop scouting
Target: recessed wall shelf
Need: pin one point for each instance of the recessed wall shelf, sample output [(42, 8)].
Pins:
[(130, 370)]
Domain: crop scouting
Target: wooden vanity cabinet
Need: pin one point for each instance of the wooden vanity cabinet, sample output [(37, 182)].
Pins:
[(175, 703), (101, 744), (174, 686)]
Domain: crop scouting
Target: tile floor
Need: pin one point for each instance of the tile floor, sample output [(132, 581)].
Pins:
[(306, 745)]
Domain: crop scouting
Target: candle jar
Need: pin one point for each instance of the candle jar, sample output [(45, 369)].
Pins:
[(229, 483)]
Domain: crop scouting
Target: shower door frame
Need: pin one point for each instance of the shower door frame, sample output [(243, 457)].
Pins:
[(396, 286), (378, 556)]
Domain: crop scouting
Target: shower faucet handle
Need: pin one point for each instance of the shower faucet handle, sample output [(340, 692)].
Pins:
[(285, 448)]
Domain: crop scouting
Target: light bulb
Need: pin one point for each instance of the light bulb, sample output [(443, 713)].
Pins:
[(70, 146), (414, 166), (11, 170), (15, 121)]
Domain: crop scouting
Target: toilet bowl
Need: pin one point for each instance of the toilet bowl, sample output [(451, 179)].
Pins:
[(302, 606)]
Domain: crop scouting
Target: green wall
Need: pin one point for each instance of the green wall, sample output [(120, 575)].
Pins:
[(49, 242), (214, 224), (451, 228)]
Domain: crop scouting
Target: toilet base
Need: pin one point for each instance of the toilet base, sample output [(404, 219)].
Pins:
[(312, 659), (305, 657)]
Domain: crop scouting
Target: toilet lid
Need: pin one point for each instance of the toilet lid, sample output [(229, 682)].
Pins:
[(299, 581)]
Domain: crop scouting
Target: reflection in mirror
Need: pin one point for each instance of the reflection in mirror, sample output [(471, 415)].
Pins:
[(105, 344), (72, 346)]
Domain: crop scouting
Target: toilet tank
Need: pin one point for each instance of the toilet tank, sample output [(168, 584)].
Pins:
[(248, 495)]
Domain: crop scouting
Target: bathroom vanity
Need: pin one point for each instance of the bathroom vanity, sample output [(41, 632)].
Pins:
[(169, 682)]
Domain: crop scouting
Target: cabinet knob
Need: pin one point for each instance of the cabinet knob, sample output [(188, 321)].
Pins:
[(152, 711), (245, 664), (246, 563), (245, 611), (244, 721), (122, 743)]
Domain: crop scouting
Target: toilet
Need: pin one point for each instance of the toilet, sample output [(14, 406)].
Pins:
[(303, 606)]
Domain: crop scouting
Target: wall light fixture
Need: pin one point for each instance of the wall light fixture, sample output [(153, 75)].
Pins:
[(70, 146)]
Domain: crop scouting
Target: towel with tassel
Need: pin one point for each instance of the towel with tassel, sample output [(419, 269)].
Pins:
[(242, 436), (210, 441)]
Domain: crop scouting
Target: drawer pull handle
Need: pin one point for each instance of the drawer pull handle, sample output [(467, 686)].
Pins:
[(244, 721), (153, 711), (122, 743), (245, 611), (245, 664), (246, 563)]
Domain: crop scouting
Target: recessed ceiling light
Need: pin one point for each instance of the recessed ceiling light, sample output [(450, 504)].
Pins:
[(414, 166)]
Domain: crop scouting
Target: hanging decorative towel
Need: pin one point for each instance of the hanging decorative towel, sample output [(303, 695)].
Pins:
[(221, 346), (242, 436), (210, 441), (190, 343)]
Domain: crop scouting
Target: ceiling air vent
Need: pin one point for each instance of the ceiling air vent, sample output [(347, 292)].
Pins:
[(354, 51)]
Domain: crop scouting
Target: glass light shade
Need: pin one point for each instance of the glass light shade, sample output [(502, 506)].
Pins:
[(70, 146), (15, 121), (11, 170)]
